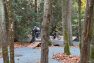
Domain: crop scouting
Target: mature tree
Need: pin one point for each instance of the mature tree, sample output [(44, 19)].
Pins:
[(45, 31), (87, 33), (79, 24), (10, 29), (3, 33), (66, 19), (67, 27)]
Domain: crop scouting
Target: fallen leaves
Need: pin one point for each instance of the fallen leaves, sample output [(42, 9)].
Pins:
[(30, 45), (66, 58), (21, 44)]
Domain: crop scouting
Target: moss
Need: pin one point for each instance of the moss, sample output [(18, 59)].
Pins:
[(66, 39), (49, 43), (92, 53), (67, 49), (80, 46)]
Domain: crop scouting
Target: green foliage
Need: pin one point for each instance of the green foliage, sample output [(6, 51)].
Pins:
[(49, 43), (24, 14), (83, 5), (56, 23)]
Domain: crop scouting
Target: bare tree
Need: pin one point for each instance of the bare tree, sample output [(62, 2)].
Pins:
[(45, 31)]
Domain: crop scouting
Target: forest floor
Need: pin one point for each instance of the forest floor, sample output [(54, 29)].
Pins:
[(24, 53)]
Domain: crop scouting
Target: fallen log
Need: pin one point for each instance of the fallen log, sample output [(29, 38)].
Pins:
[(35, 44)]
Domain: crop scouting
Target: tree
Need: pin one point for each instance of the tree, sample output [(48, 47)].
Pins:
[(67, 26), (45, 32), (36, 6), (79, 23), (69, 11), (79, 19), (3, 33), (87, 33), (10, 29), (35, 10), (66, 19)]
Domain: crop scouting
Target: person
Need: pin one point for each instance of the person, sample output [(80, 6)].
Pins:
[(37, 32), (33, 34), (77, 37), (54, 34)]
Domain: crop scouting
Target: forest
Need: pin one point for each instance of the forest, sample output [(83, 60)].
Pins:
[(46, 31)]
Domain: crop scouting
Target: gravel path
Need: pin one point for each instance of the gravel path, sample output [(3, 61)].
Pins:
[(30, 55)]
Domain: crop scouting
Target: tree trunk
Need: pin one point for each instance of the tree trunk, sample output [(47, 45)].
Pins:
[(3, 33), (45, 32), (79, 24), (79, 19), (67, 19), (69, 11), (36, 10), (87, 34), (36, 6), (67, 28), (11, 29)]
